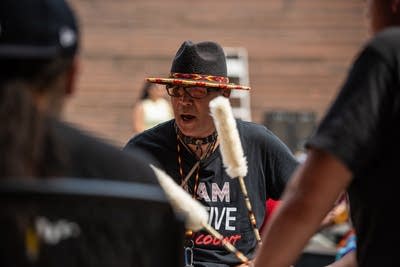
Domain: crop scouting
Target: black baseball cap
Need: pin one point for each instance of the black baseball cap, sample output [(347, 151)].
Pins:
[(37, 29)]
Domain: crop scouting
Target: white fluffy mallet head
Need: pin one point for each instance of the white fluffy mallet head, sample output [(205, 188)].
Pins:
[(194, 213), (230, 144)]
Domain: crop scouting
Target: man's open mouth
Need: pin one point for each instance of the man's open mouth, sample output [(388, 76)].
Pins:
[(187, 117)]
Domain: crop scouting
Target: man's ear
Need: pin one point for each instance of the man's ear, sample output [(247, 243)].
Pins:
[(226, 92), (71, 77)]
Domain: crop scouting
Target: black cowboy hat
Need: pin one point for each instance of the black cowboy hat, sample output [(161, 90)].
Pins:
[(199, 64)]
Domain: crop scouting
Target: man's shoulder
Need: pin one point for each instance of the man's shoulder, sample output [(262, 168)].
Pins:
[(70, 135), (249, 125), (387, 44), (90, 156), (252, 129), (390, 35), (258, 135), (161, 134)]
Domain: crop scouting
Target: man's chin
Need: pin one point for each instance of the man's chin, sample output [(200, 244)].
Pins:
[(187, 127)]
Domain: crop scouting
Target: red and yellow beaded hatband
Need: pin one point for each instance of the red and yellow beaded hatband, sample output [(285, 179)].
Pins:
[(188, 79), (195, 76)]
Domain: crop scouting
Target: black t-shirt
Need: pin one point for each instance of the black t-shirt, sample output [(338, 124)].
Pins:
[(87, 231), (270, 165), (362, 130)]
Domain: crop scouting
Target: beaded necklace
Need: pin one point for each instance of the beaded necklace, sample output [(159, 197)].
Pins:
[(188, 140)]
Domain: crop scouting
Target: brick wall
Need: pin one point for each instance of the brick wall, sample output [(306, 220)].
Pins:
[(299, 52)]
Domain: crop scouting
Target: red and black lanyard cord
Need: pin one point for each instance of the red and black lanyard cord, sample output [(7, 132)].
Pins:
[(189, 243)]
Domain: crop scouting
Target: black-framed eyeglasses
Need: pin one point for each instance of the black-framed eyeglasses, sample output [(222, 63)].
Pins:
[(193, 91)]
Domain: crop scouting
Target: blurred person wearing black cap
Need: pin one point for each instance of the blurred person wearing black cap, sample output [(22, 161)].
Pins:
[(38, 66), (354, 149), (39, 42), (186, 148)]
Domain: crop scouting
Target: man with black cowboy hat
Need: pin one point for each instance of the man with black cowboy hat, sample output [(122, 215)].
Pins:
[(39, 41), (186, 147)]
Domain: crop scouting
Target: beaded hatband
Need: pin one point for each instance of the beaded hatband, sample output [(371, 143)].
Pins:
[(197, 77)]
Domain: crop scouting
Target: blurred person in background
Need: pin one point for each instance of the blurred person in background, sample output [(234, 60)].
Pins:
[(38, 66), (355, 148), (152, 108)]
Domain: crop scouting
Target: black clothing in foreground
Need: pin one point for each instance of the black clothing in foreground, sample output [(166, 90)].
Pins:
[(83, 222), (68, 231), (362, 130), (270, 165)]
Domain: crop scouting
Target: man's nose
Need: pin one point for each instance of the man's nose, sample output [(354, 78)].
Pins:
[(185, 98)]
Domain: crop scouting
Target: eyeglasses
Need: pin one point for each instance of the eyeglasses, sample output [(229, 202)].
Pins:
[(195, 91)]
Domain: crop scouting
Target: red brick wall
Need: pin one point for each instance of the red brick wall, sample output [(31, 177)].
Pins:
[(299, 51)]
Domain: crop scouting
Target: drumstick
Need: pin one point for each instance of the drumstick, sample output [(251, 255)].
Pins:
[(232, 151), (195, 214)]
